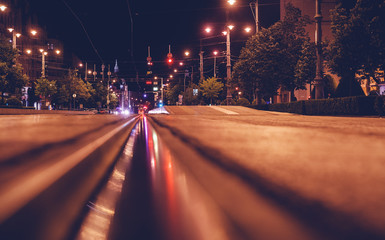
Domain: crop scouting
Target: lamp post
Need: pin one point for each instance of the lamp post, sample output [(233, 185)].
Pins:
[(14, 37), (215, 63), (228, 64), (43, 54), (318, 80)]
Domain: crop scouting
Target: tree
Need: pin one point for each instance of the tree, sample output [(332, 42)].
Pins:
[(270, 59), (45, 88), (11, 77), (359, 41), (211, 88), (188, 96)]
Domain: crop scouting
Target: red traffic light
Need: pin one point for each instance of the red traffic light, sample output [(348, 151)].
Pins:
[(170, 61)]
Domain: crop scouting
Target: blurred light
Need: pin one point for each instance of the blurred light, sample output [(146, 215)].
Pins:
[(126, 112), (171, 76), (45, 53), (41, 50), (231, 2), (224, 33), (2, 8), (215, 53), (187, 53), (239, 93), (248, 29), (80, 64), (155, 89), (155, 78), (33, 32), (231, 27), (181, 63), (28, 51), (89, 72), (57, 52), (145, 95), (18, 35), (10, 29), (175, 70), (208, 29)]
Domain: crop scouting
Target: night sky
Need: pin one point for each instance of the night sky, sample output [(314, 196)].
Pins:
[(156, 24)]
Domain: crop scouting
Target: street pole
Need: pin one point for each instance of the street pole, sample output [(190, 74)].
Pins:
[(43, 64), (228, 66), (215, 66), (108, 88), (256, 17), (161, 85), (94, 73), (13, 39), (318, 80), (86, 73), (201, 66)]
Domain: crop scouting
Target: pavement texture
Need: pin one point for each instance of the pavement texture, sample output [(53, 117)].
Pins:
[(327, 171)]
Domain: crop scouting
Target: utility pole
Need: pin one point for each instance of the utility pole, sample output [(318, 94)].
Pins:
[(201, 65), (318, 80), (94, 73)]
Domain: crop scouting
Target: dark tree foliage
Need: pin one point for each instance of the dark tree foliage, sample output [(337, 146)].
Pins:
[(359, 39), (274, 57), (11, 77)]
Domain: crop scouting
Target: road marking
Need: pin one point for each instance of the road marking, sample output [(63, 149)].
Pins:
[(224, 110)]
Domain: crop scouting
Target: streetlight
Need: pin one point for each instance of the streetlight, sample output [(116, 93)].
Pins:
[(14, 36), (3, 7), (248, 29), (215, 63), (187, 53), (33, 32), (231, 2), (228, 64), (43, 54)]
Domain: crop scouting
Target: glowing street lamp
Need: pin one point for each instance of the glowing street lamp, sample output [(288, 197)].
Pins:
[(248, 29), (187, 53), (231, 2), (58, 52), (215, 63), (28, 51), (208, 30), (3, 7), (33, 32), (14, 36)]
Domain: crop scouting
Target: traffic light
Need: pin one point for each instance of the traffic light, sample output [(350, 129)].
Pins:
[(170, 60)]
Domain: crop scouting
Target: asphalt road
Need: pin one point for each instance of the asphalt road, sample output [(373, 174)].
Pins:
[(322, 177), (199, 172)]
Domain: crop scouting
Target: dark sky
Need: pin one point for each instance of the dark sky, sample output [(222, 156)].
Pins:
[(156, 24)]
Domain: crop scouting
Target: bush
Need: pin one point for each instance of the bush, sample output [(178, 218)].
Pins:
[(232, 102), (360, 105), (14, 102), (243, 102)]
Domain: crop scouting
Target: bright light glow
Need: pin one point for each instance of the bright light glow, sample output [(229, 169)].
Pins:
[(175, 70), (187, 53), (155, 78), (239, 93), (41, 50), (215, 53), (231, 27), (155, 89), (2, 8), (89, 72), (33, 32), (80, 64), (28, 51), (57, 52), (208, 29), (126, 112), (45, 53), (224, 33), (231, 2), (171, 76), (181, 63), (248, 29), (18, 35), (10, 29)]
